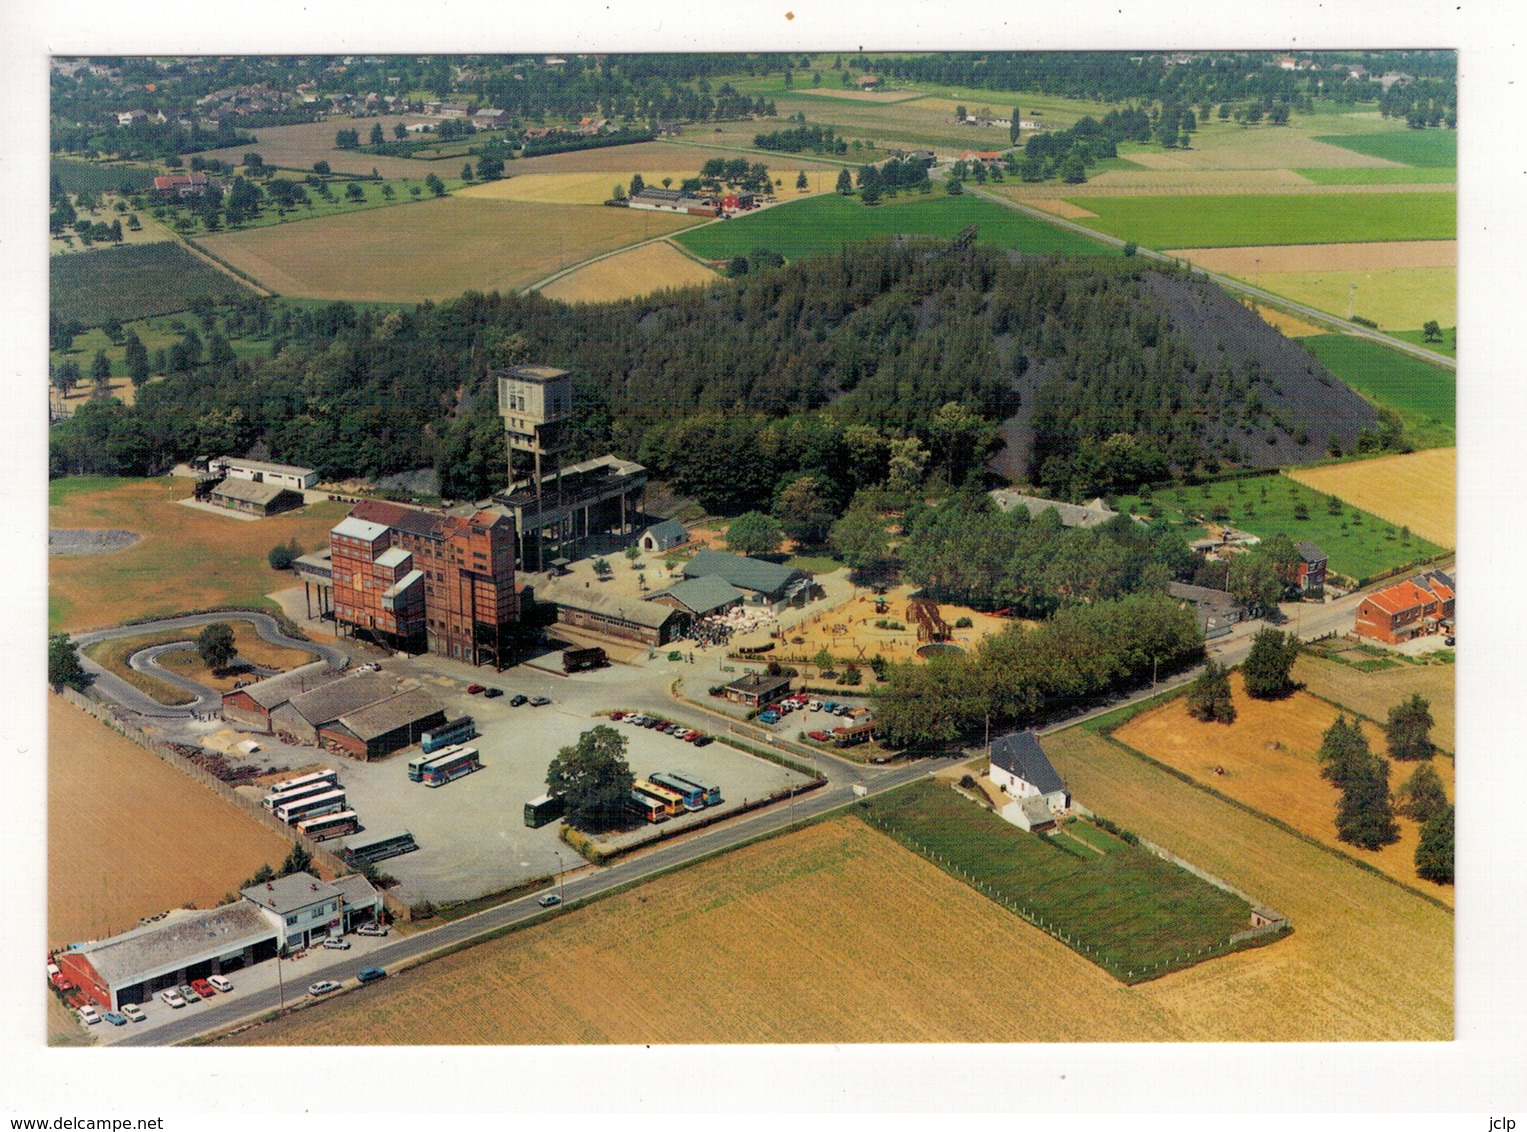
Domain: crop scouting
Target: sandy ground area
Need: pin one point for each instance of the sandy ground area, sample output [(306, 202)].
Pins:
[(1062, 208), (1376, 256), (1290, 326)]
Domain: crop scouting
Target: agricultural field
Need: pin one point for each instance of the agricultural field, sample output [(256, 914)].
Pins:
[(372, 194), (434, 250), (1266, 760), (1287, 324), (1418, 489), (1252, 219), (1404, 175), (1359, 544), (298, 147), (1253, 262), (1374, 693), (1397, 299), (252, 650), (1425, 149), (598, 187), (187, 558), (1448, 345), (630, 274), (626, 159), (1229, 146), (1419, 390), (825, 222), (150, 231), (1127, 905), (134, 282), (112, 856), (1336, 978), (99, 176)]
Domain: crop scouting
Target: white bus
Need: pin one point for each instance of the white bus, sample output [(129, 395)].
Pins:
[(303, 787), (330, 825), (317, 806)]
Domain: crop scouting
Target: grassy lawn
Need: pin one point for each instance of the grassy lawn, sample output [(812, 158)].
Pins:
[(1448, 345), (1382, 175), (1248, 219), (1416, 388), (1132, 908), (1393, 297), (1426, 149), (826, 222), (1359, 544), (133, 281)]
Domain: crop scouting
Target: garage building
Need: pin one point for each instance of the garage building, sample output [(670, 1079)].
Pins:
[(389, 725), (253, 498), (625, 618)]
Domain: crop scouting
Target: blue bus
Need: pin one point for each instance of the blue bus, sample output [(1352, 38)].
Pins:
[(453, 731), (711, 795), (694, 797), (454, 763)]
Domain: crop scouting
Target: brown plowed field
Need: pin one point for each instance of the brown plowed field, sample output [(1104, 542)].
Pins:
[(1376, 256), (297, 147), (435, 249), (1416, 489), (1268, 756), (629, 275), (1062, 208), (130, 836)]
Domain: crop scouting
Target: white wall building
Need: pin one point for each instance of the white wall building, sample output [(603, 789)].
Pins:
[(303, 909), (284, 475)]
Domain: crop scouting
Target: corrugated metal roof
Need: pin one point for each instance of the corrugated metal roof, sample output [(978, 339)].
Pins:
[(248, 491), (378, 719), (703, 595), (637, 611), (178, 940), (1022, 755), (340, 697), (277, 690), (667, 529)]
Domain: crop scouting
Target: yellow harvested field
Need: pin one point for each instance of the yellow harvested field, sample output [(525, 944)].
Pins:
[(112, 855), (1374, 693), (1268, 761), (1401, 298), (1416, 489), (1058, 207), (1367, 960), (1374, 256), (598, 187), (1290, 326), (630, 274), (433, 250)]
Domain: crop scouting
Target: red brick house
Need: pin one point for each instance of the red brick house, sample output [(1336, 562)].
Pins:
[(1310, 572), (1408, 609)]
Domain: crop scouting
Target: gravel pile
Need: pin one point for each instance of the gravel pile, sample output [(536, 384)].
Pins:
[(89, 541)]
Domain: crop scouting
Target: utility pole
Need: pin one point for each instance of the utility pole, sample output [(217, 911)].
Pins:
[(1351, 296)]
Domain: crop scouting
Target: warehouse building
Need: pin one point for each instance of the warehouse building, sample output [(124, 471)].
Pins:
[(253, 703), (262, 499), (625, 618), (259, 471), (378, 729), (701, 597)]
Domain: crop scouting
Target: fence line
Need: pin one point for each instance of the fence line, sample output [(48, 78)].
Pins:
[(328, 864)]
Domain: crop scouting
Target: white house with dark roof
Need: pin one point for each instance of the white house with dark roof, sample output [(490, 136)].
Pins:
[(302, 908), (1022, 771)]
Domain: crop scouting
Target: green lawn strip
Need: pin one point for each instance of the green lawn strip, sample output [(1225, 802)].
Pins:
[(1408, 384), (1098, 838), (61, 490), (815, 563), (113, 654), (1382, 175), (1359, 544), (1426, 149), (1247, 220), (1127, 910), (827, 222), (1448, 345)]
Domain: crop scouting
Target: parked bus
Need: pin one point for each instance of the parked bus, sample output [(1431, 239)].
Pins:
[(453, 731), (443, 768), (304, 787), (313, 807), (693, 797), (378, 847), (341, 824), (649, 808), (854, 735), (673, 804), (417, 764), (711, 794), (546, 808)]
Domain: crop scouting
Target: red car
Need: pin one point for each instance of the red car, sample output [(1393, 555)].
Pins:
[(695, 736), (616, 716), (203, 988), (819, 736), (473, 689)]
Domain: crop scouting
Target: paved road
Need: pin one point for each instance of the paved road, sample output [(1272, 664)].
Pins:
[(115, 688), (1234, 285)]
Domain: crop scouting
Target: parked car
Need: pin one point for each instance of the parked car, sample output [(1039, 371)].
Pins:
[(370, 974), (474, 689), (114, 1018), (172, 999), (1450, 641), (492, 693), (372, 928), (188, 993), (516, 700), (220, 983), (323, 987), (133, 1012), (830, 705), (769, 717), (617, 716), (550, 900), (695, 736), (819, 736), (649, 722), (539, 701), (815, 705), (337, 943), (844, 709), (704, 741), (89, 1015), (203, 988)]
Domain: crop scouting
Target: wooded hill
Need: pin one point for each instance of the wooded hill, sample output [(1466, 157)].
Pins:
[(1110, 371)]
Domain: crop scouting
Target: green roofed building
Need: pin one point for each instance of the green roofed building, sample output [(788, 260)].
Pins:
[(701, 596), (766, 583)]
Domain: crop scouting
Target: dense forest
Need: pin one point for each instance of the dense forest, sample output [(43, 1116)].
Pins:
[(1116, 373)]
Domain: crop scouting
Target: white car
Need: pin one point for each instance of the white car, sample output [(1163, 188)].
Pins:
[(323, 987), (337, 943), (89, 1015), (172, 998), (815, 705), (219, 983), (372, 928), (134, 1012)]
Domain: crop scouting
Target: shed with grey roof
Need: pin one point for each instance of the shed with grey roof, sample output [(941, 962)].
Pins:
[(701, 596), (611, 615), (389, 725), (302, 715), (769, 582), (254, 703), (663, 536), (253, 498), (1092, 514)]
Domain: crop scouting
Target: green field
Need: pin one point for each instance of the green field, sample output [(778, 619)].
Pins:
[(823, 223), (1426, 149), (1410, 385), (94, 177), (1383, 175), (132, 282), (1256, 220), (1448, 345), (1127, 906), (1358, 543)]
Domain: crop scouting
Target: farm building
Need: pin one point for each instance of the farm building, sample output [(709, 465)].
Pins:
[(302, 909), (625, 618), (1216, 609), (673, 200), (1031, 813), (756, 689), (1091, 514), (868, 82), (389, 725), (663, 536), (701, 597), (181, 185), (1310, 573), (364, 714), (1416, 607), (767, 583), (285, 475), (254, 703), (252, 498), (1022, 770), (184, 945)]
